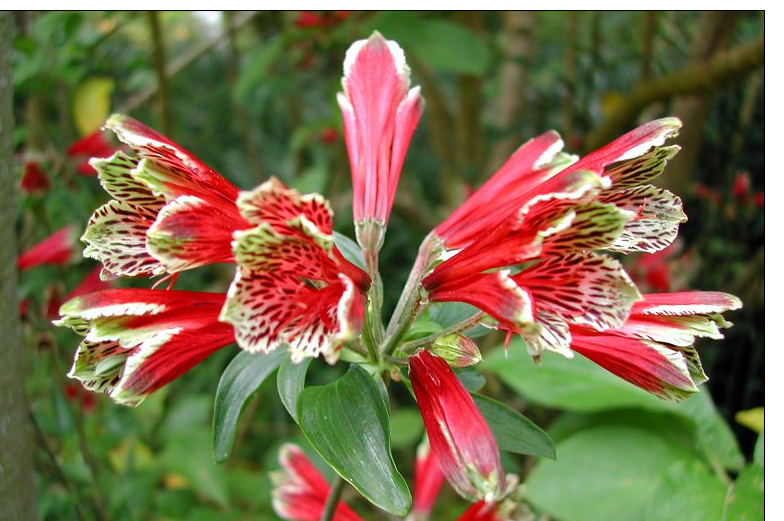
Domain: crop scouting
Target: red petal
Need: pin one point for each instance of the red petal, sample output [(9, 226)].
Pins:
[(34, 179), (379, 115), (428, 479), (504, 193), (459, 436), (56, 249), (646, 364)]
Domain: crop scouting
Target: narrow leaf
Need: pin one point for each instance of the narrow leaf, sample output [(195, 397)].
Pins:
[(347, 423), (241, 379), (513, 431), (291, 382)]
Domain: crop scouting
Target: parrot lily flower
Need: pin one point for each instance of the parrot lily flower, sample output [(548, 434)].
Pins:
[(300, 492), (380, 115), (562, 213), (138, 340), (292, 285), (56, 249), (169, 212), (654, 349), (459, 436)]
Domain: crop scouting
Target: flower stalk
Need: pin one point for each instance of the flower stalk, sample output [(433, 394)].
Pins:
[(410, 303), (465, 325)]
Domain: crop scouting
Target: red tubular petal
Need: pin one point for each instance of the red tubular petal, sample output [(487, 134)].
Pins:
[(460, 438), (428, 479), (504, 193), (631, 145), (379, 116), (638, 362), (56, 249)]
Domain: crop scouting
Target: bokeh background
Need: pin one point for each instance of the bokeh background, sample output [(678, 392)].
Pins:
[(253, 95)]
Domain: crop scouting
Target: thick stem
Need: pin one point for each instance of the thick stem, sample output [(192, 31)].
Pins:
[(17, 478), (465, 325), (410, 303), (334, 498)]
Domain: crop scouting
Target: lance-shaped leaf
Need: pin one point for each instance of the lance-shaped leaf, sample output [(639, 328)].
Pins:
[(347, 422), (239, 382), (291, 382), (513, 431)]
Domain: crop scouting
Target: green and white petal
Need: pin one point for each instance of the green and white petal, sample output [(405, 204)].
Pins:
[(657, 215), (116, 235)]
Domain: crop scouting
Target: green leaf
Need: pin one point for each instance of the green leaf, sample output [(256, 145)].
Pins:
[(471, 379), (747, 499), (606, 472), (450, 313), (759, 449), (347, 423), (714, 436), (350, 250), (291, 382), (688, 491), (421, 329), (241, 379), (574, 385), (513, 431)]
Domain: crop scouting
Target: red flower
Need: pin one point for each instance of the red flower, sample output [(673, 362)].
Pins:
[(34, 179), (459, 436), (329, 135), (654, 348), (56, 249), (307, 19), (300, 492), (292, 285), (428, 479), (138, 340), (759, 199), (741, 188), (552, 218), (94, 145), (169, 212), (380, 114)]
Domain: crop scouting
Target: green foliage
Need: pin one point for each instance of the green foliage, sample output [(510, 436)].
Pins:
[(347, 422), (513, 431), (240, 381)]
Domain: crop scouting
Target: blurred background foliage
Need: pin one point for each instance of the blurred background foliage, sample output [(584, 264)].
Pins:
[(253, 95)]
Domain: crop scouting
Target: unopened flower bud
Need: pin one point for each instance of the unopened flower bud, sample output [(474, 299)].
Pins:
[(458, 350)]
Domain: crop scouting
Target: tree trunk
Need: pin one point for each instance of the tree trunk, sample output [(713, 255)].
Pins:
[(511, 102), (17, 481)]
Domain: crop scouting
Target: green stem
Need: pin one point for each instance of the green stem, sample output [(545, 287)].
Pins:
[(465, 325), (334, 498), (410, 303)]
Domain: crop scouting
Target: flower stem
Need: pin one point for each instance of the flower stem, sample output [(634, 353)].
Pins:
[(334, 498), (410, 304), (372, 329), (465, 325)]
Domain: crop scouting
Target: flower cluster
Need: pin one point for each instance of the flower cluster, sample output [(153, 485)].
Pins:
[(530, 250)]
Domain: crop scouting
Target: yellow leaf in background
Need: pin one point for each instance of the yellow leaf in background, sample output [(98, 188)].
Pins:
[(130, 454), (754, 419), (174, 481), (91, 104)]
